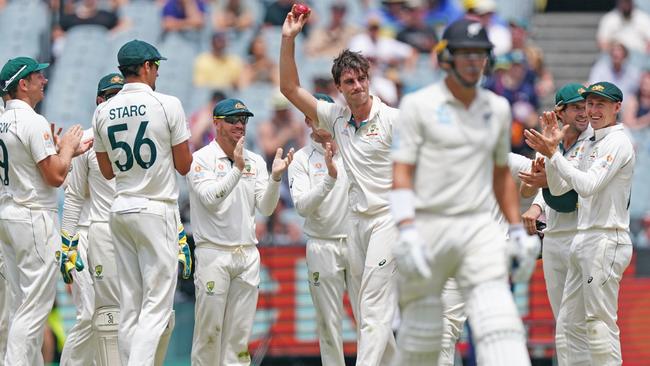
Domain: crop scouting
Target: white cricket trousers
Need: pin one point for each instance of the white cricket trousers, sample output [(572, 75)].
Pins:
[(226, 280), (4, 310), (597, 260), (470, 248), (327, 264), (555, 261), (372, 287), (146, 244), (29, 239), (79, 348), (102, 265)]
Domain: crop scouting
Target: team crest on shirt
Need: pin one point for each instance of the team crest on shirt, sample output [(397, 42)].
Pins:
[(209, 288), (249, 170), (99, 269), (373, 130), (315, 277)]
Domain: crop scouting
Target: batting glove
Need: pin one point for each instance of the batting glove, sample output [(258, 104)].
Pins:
[(70, 258), (523, 250), (409, 254), (184, 254)]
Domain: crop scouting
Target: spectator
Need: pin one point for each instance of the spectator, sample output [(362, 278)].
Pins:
[(391, 15), (232, 15), (330, 40), (516, 82), (386, 52), (260, 68), (277, 11), (616, 69), (625, 23), (86, 12), (282, 130), (216, 69), (439, 13), (484, 11), (534, 56), (201, 122), (183, 15), (415, 31), (636, 107)]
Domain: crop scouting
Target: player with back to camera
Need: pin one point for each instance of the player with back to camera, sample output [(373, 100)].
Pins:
[(141, 139)]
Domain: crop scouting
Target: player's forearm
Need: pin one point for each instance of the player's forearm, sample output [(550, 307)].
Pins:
[(289, 81), (506, 194), (213, 192), (269, 200), (539, 201), (556, 184), (527, 190), (72, 206), (584, 183), (306, 203)]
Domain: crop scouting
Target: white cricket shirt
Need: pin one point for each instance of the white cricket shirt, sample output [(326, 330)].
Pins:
[(223, 199), (86, 187), (603, 179), (137, 128), (563, 222), (25, 140), (365, 152), (319, 198), (454, 148)]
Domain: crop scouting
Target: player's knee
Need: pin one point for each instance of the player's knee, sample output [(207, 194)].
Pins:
[(598, 336), (492, 312), (421, 327)]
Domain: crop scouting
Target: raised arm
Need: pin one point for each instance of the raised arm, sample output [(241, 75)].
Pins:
[(289, 81)]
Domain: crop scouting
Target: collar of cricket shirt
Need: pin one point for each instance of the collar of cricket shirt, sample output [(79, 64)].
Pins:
[(374, 109), (600, 133), (136, 87), (18, 104)]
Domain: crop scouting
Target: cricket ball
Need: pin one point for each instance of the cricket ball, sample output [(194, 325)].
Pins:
[(300, 9)]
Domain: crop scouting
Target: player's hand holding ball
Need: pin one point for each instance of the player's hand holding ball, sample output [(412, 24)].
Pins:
[(523, 250), (295, 20), (70, 258), (410, 255)]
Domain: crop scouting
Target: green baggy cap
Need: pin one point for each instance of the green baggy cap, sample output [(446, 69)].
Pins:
[(16, 69)]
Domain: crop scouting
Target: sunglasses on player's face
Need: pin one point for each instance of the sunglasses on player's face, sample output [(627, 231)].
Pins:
[(233, 120)]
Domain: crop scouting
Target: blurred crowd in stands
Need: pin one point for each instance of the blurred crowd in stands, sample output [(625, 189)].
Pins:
[(399, 38)]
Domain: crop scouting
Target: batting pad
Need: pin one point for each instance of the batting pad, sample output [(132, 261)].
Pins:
[(497, 329), (421, 327)]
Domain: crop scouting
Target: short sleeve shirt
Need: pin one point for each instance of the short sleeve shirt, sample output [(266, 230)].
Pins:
[(137, 128), (25, 140), (454, 148), (365, 152)]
